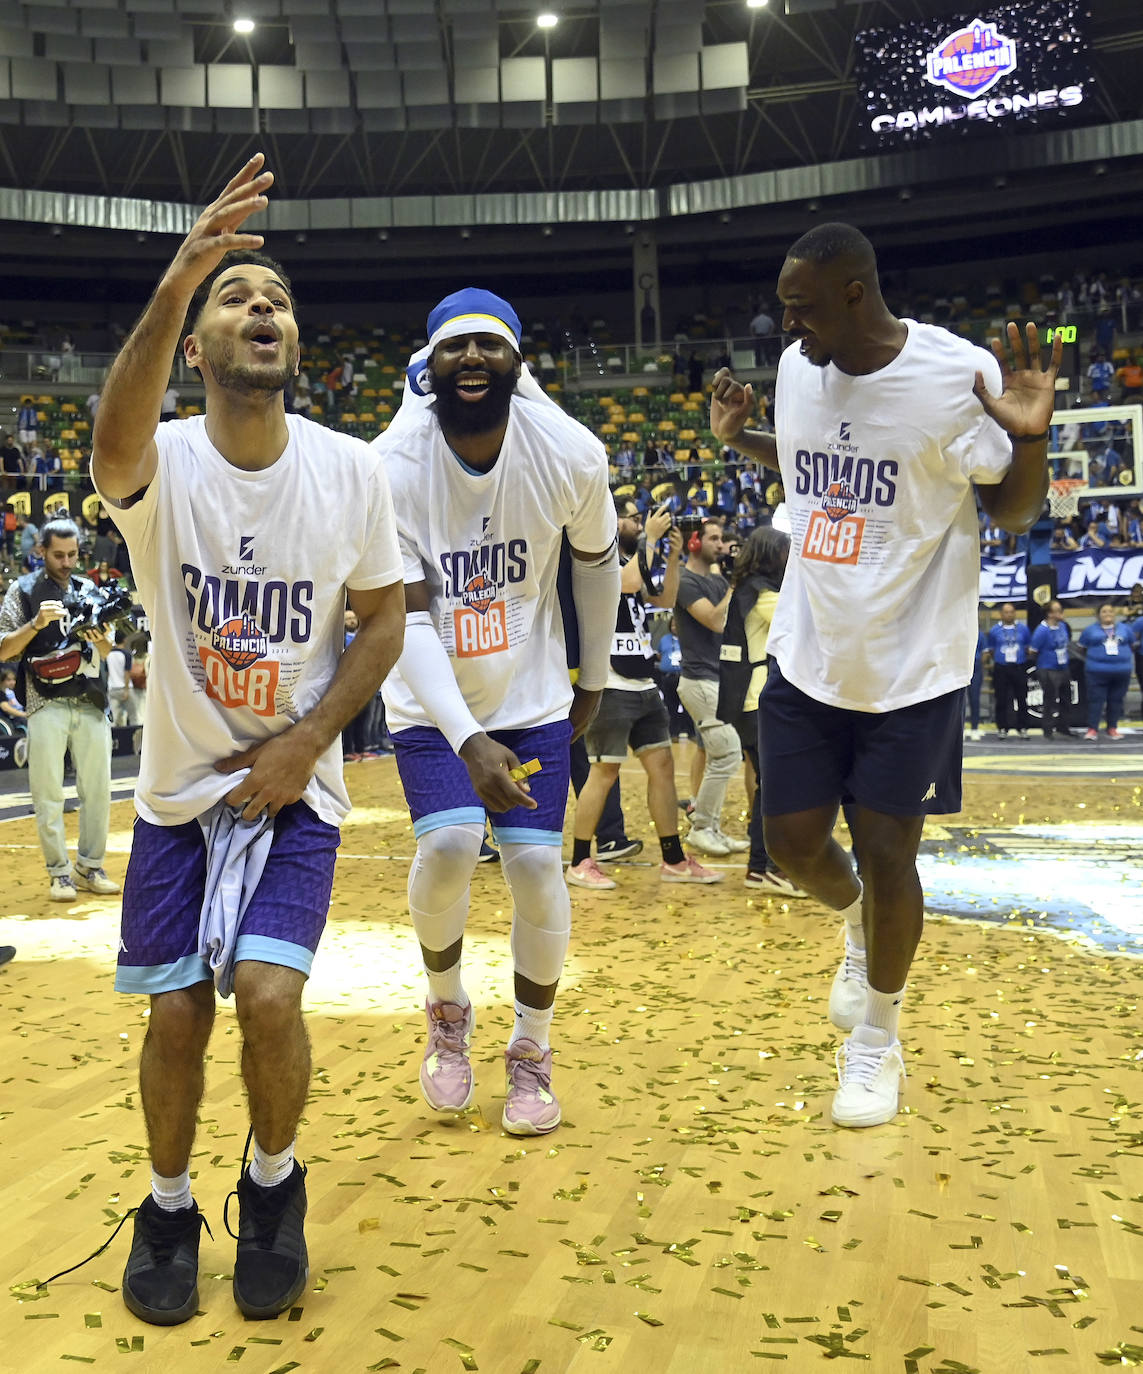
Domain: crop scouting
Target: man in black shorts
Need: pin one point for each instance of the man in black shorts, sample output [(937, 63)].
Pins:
[(632, 712), (884, 428)]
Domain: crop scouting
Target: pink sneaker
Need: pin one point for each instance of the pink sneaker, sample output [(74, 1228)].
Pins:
[(529, 1107), (1091, 734), (689, 871), (1114, 734), (446, 1074), (587, 873)]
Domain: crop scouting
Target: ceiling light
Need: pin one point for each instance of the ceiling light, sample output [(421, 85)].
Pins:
[(756, 4), (547, 21), (244, 26)]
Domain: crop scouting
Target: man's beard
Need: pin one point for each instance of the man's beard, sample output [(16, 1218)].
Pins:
[(249, 379), (458, 416), (629, 544)]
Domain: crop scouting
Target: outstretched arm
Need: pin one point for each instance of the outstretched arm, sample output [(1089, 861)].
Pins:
[(1024, 411), (731, 405), (124, 456)]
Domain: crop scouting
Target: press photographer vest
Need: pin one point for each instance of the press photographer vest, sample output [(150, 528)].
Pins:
[(35, 589), (631, 652)]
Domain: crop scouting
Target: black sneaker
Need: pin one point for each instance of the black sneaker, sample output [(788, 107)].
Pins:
[(160, 1282), (610, 850), (488, 854), (272, 1265)]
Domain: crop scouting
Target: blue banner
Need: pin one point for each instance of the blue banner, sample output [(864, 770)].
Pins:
[(1090, 572)]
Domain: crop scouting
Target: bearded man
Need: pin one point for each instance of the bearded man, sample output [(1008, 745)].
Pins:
[(491, 480)]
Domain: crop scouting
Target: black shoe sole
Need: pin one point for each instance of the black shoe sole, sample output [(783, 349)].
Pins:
[(264, 1313), (158, 1317)]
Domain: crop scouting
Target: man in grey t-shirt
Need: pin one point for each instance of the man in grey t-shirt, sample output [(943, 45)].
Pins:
[(700, 616)]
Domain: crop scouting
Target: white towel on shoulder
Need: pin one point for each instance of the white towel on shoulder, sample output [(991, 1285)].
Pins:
[(236, 854)]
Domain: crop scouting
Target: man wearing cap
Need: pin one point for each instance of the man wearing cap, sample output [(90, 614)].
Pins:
[(489, 478)]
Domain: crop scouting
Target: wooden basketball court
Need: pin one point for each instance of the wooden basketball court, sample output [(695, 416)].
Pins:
[(697, 1213)]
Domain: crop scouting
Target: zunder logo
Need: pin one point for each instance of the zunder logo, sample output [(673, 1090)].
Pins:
[(971, 60), (246, 548), (843, 432)]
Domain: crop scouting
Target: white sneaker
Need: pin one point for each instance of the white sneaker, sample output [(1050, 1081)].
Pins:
[(709, 841), (587, 873), (733, 846), (976, 734), (774, 881), (62, 889), (850, 986), (95, 880), (870, 1071)]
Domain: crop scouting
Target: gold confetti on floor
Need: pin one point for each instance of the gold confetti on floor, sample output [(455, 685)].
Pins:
[(710, 1216)]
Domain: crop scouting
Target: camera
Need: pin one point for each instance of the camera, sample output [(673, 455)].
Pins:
[(98, 609)]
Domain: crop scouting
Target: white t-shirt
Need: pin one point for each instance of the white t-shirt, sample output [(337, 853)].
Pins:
[(878, 606), (488, 546), (243, 575)]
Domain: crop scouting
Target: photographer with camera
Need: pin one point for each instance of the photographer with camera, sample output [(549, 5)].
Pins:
[(51, 622), (700, 613)]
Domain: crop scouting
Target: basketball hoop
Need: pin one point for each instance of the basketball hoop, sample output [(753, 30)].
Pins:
[(1063, 497)]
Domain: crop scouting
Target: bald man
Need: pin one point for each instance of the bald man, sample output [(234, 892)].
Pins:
[(885, 427)]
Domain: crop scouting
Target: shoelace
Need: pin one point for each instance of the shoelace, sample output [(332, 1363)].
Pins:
[(263, 1205), (451, 1033), (532, 1073), (862, 1062), (855, 964), (164, 1248)]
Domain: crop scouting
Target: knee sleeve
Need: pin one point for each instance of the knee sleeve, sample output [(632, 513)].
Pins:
[(438, 883), (541, 914), (723, 749)]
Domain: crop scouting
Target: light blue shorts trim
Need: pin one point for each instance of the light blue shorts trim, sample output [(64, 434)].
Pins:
[(459, 815), (516, 834), (192, 968)]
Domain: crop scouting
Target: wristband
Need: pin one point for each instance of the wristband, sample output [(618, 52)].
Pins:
[(1029, 438)]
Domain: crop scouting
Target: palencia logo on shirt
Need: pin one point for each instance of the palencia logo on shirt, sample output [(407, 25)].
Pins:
[(839, 501), (240, 641)]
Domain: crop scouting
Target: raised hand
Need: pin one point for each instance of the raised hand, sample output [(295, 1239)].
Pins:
[(1025, 406), (215, 232), (731, 406)]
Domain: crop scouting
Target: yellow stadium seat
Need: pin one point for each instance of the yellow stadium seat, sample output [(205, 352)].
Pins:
[(639, 391), (661, 492), (676, 398), (706, 455), (666, 426), (629, 436), (367, 417), (608, 429), (636, 418), (627, 489), (69, 408), (696, 396), (688, 434), (45, 400), (68, 434)]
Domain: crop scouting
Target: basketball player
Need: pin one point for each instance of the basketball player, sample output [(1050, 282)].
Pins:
[(228, 520), (885, 426), (488, 478)]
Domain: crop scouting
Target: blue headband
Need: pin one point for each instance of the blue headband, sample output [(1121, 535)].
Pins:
[(474, 303)]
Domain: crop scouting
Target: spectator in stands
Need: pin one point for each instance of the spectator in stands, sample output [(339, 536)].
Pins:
[(1130, 377), (651, 455), (11, 463), (303, 397), (1099, 376), (694, 371), (679, 369), (27, 423), (700, 614), (93, 404), (1133, 525), (991, 537), (1133, 619), (1049, 645), (1008, 647), (625, 459), (1109, 648), (10, 705), (169, 407), (1095, 536), (120, 689), (762, 330), (670, 665), (1063, 541)]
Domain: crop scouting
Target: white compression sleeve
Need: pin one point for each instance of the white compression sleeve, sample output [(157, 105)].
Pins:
[(595, 591), (425, 666), (541, 910)]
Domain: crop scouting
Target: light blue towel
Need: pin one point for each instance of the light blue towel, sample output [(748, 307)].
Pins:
[(236, 854)]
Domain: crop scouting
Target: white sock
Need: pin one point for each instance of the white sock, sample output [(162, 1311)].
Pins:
[(446, 986), (883, 1010), (267, 1170), (171, 1194), (532, 1023), (851, 915)]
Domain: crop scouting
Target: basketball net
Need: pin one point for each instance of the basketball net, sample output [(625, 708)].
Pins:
[(1063, 497)]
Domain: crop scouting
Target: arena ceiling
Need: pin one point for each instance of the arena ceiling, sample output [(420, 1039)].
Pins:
[(159, 99)]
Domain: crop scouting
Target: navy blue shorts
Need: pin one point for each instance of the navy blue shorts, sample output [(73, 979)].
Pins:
[(439, 791), (166, 882), (902, 763)]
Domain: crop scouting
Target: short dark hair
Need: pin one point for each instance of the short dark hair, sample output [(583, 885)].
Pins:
[(59, 528), (826, 244), (621, 504), (234, 259)]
